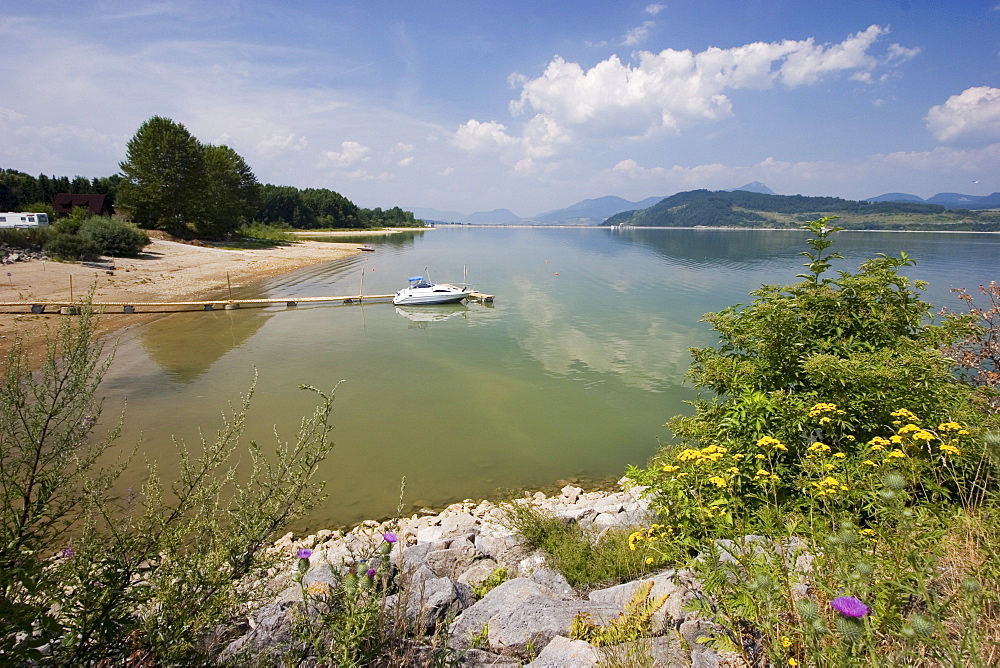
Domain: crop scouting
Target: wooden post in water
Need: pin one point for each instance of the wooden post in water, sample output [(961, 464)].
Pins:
[(230, 287), (362, 292)]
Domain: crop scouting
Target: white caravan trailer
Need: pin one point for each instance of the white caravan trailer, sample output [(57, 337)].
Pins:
[(13, 219)]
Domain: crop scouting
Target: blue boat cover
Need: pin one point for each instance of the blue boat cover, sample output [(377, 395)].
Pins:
[(415, 278)]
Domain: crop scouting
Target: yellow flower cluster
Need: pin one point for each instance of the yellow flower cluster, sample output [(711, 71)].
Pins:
[(718, 481), (651, 534), (821, 408), (949, 449), (711, 453), (915, 432), (770, 442), (818, 447), (903, 415), (829, 485)]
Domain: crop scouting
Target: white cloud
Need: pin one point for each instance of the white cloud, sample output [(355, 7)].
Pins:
[(405, 162), (974, 114), (351, 153), (655, 9), (288, 142), (668, 91), (10, 115), (638, 35), (476, 136)]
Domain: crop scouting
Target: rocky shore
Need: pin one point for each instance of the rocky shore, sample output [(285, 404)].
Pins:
[(438, 560)]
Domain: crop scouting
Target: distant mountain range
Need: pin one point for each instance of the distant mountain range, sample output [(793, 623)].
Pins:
[(597, 211), (743, 208), (947, 200)]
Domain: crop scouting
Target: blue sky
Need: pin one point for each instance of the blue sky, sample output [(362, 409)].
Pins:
[(473, 105)]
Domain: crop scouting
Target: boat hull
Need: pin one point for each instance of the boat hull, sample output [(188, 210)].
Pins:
[(420, 297)]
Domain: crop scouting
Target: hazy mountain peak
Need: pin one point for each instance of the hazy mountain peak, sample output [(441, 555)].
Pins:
[(755, 187)]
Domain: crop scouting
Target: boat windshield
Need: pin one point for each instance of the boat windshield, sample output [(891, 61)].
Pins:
[(419, 282)]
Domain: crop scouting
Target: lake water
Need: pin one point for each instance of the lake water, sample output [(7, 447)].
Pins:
[(569, 375)]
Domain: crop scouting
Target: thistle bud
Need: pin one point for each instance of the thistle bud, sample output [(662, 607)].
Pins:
[(850, 629), (921, 625), (894, 481), (808, 609)]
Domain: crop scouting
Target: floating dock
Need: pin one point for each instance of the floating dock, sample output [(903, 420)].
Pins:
[(72, 307)]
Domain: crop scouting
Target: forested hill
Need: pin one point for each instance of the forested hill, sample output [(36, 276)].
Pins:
[(740, 208)]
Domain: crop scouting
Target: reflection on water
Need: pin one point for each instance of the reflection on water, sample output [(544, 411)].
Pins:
[(431, 313), (571, 373), (180, 344)]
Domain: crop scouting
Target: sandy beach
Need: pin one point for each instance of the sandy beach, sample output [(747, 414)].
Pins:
[(164, 271)]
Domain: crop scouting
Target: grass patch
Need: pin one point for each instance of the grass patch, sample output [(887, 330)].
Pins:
[(586, 561)]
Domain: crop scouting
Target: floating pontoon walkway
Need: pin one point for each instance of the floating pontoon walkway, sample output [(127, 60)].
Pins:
[(72, 307)]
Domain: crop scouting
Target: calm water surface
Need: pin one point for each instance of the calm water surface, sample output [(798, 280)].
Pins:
[(569, 375)]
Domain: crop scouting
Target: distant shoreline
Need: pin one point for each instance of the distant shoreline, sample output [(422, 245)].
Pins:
[(697, 227)]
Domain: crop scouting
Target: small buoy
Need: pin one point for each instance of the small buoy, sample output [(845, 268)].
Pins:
[(557, 273)]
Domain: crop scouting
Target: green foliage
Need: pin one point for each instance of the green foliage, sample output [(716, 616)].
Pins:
[(493, 580), (344, 620), (859, 340), (839, 457), (633, 623), (25, 237), (71, 224), (114, 236), (257, 230), (73, 247), (583, 560), (231, 193), (314, 208), (163, 176), (23, 192), (99, 575), (41, 207)]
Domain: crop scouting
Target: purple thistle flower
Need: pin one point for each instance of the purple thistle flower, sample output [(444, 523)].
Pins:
[(67, 552), (304, 553), (371, 573), (389, 537), (850, 606)]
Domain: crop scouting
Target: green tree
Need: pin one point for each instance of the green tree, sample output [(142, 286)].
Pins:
[(231, 193), (284, 204), (163, 176)]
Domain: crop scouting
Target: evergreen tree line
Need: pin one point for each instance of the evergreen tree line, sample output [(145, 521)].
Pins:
[(19, 190), (170, 181)]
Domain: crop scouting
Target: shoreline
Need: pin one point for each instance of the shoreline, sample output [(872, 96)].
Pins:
[(166, 270)]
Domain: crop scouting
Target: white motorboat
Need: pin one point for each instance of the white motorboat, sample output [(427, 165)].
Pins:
[(422, 291)]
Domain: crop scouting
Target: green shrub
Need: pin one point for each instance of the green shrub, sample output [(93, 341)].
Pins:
[(272, 232), (113, 236), (839, 488), (859, 341), (63, 246), (26, 237)]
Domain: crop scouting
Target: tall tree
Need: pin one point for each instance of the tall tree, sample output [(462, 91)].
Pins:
[(163, 176), (232, 194)]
